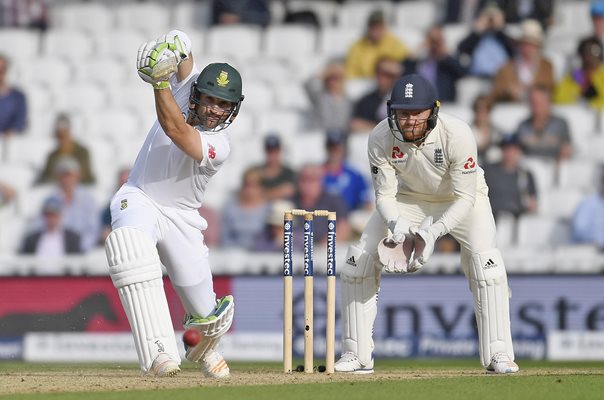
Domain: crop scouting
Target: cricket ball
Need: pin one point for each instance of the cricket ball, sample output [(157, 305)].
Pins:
[(191, 337)]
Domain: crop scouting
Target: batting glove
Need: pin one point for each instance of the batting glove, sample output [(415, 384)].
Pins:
[(156, 63), (426, 236), (180, 41)]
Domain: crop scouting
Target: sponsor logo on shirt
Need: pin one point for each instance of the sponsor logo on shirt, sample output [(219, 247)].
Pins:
[(211, 152), (438, 157), (469, 166), (374, 169), (398, 156)]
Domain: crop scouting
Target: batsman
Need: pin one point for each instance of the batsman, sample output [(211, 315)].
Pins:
[(154, 215), (427, 183)]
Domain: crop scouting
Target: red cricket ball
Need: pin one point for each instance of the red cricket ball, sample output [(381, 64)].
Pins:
[(191, 337)]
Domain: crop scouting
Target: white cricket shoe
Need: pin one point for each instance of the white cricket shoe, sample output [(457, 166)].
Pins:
[(502, 364), (213, 365), (164, 365), (349, 362)]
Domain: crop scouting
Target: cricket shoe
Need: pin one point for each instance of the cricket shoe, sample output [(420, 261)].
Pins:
[(502, 364), (213, 365), (164, 365), (350, 363)]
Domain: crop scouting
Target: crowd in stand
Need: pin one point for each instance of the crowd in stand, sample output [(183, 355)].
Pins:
[(515, 70)]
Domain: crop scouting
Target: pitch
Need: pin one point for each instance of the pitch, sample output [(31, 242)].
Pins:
[(412, 379)]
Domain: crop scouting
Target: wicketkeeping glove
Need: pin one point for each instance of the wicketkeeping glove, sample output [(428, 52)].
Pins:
[(426, 236)]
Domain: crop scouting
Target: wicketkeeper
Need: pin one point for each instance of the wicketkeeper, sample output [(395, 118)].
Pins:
[(427, 184), (154, 215)]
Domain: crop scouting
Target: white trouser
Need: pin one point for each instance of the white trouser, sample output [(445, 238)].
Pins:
[(179, 239), (476, 236)]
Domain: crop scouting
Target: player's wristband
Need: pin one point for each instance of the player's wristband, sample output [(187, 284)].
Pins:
[(161, 85)]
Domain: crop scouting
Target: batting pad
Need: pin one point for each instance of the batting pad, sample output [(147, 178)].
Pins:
[(489, 285), (135, 270), (212, 328), (359, 310)]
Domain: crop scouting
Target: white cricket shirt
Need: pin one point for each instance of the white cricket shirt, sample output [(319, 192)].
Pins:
[(442, 169), (165, 173)]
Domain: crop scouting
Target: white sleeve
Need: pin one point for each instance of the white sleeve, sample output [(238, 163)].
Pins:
[(384, 179), (215, 150), (463, 167)]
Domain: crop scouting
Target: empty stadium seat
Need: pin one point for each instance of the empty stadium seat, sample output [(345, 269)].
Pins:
[(506, 231), (460, 111), (242, 41), (577, 259), (293, 42), (357, 88), (192, 15), (72, 44), (469, 87), (559, 202), (416, 14), (412, 38), (121, 43), (308, 148), (581, 120), (96, 17), (262, 95), (138, 16), (29, 151), (24, 43), (454, 34), (102, 71), (334, 41), (292, 96), (356, 13), (290, 121), (576, 174), (114, 123), (507, 116), (49, 70), (266, 69), (541, 232), (543, 172), (84, 96), (573, 16)]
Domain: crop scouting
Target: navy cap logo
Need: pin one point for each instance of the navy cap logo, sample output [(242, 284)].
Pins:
[(409, 90)]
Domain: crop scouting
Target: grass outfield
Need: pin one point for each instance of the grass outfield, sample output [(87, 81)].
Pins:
[(394, 379)]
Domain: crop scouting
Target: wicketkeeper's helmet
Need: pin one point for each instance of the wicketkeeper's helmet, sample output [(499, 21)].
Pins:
[(412, 92)]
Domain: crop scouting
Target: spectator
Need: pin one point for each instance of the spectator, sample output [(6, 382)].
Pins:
[(461, 11), (487, 135), (7, 194), (376, 44), (331, 105), (52, 240), (597, 18), (587, 225), (438, 66), (487, 48), (585, 83), (341, 179), (371, 108), (543, 134), (13, 108), (66, 147), (79, 209), (254, 12), (311, 195), (518, 10), (24, 14), (244, 215), (512, 188), (271, 238), (528, 68), (122, 177), (278, 180)]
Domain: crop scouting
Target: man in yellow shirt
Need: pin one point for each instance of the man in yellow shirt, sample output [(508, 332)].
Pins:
[(377, 43)]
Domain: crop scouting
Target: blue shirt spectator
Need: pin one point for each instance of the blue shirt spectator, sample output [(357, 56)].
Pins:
[(588, 222), (13, 108), (342, 180)]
